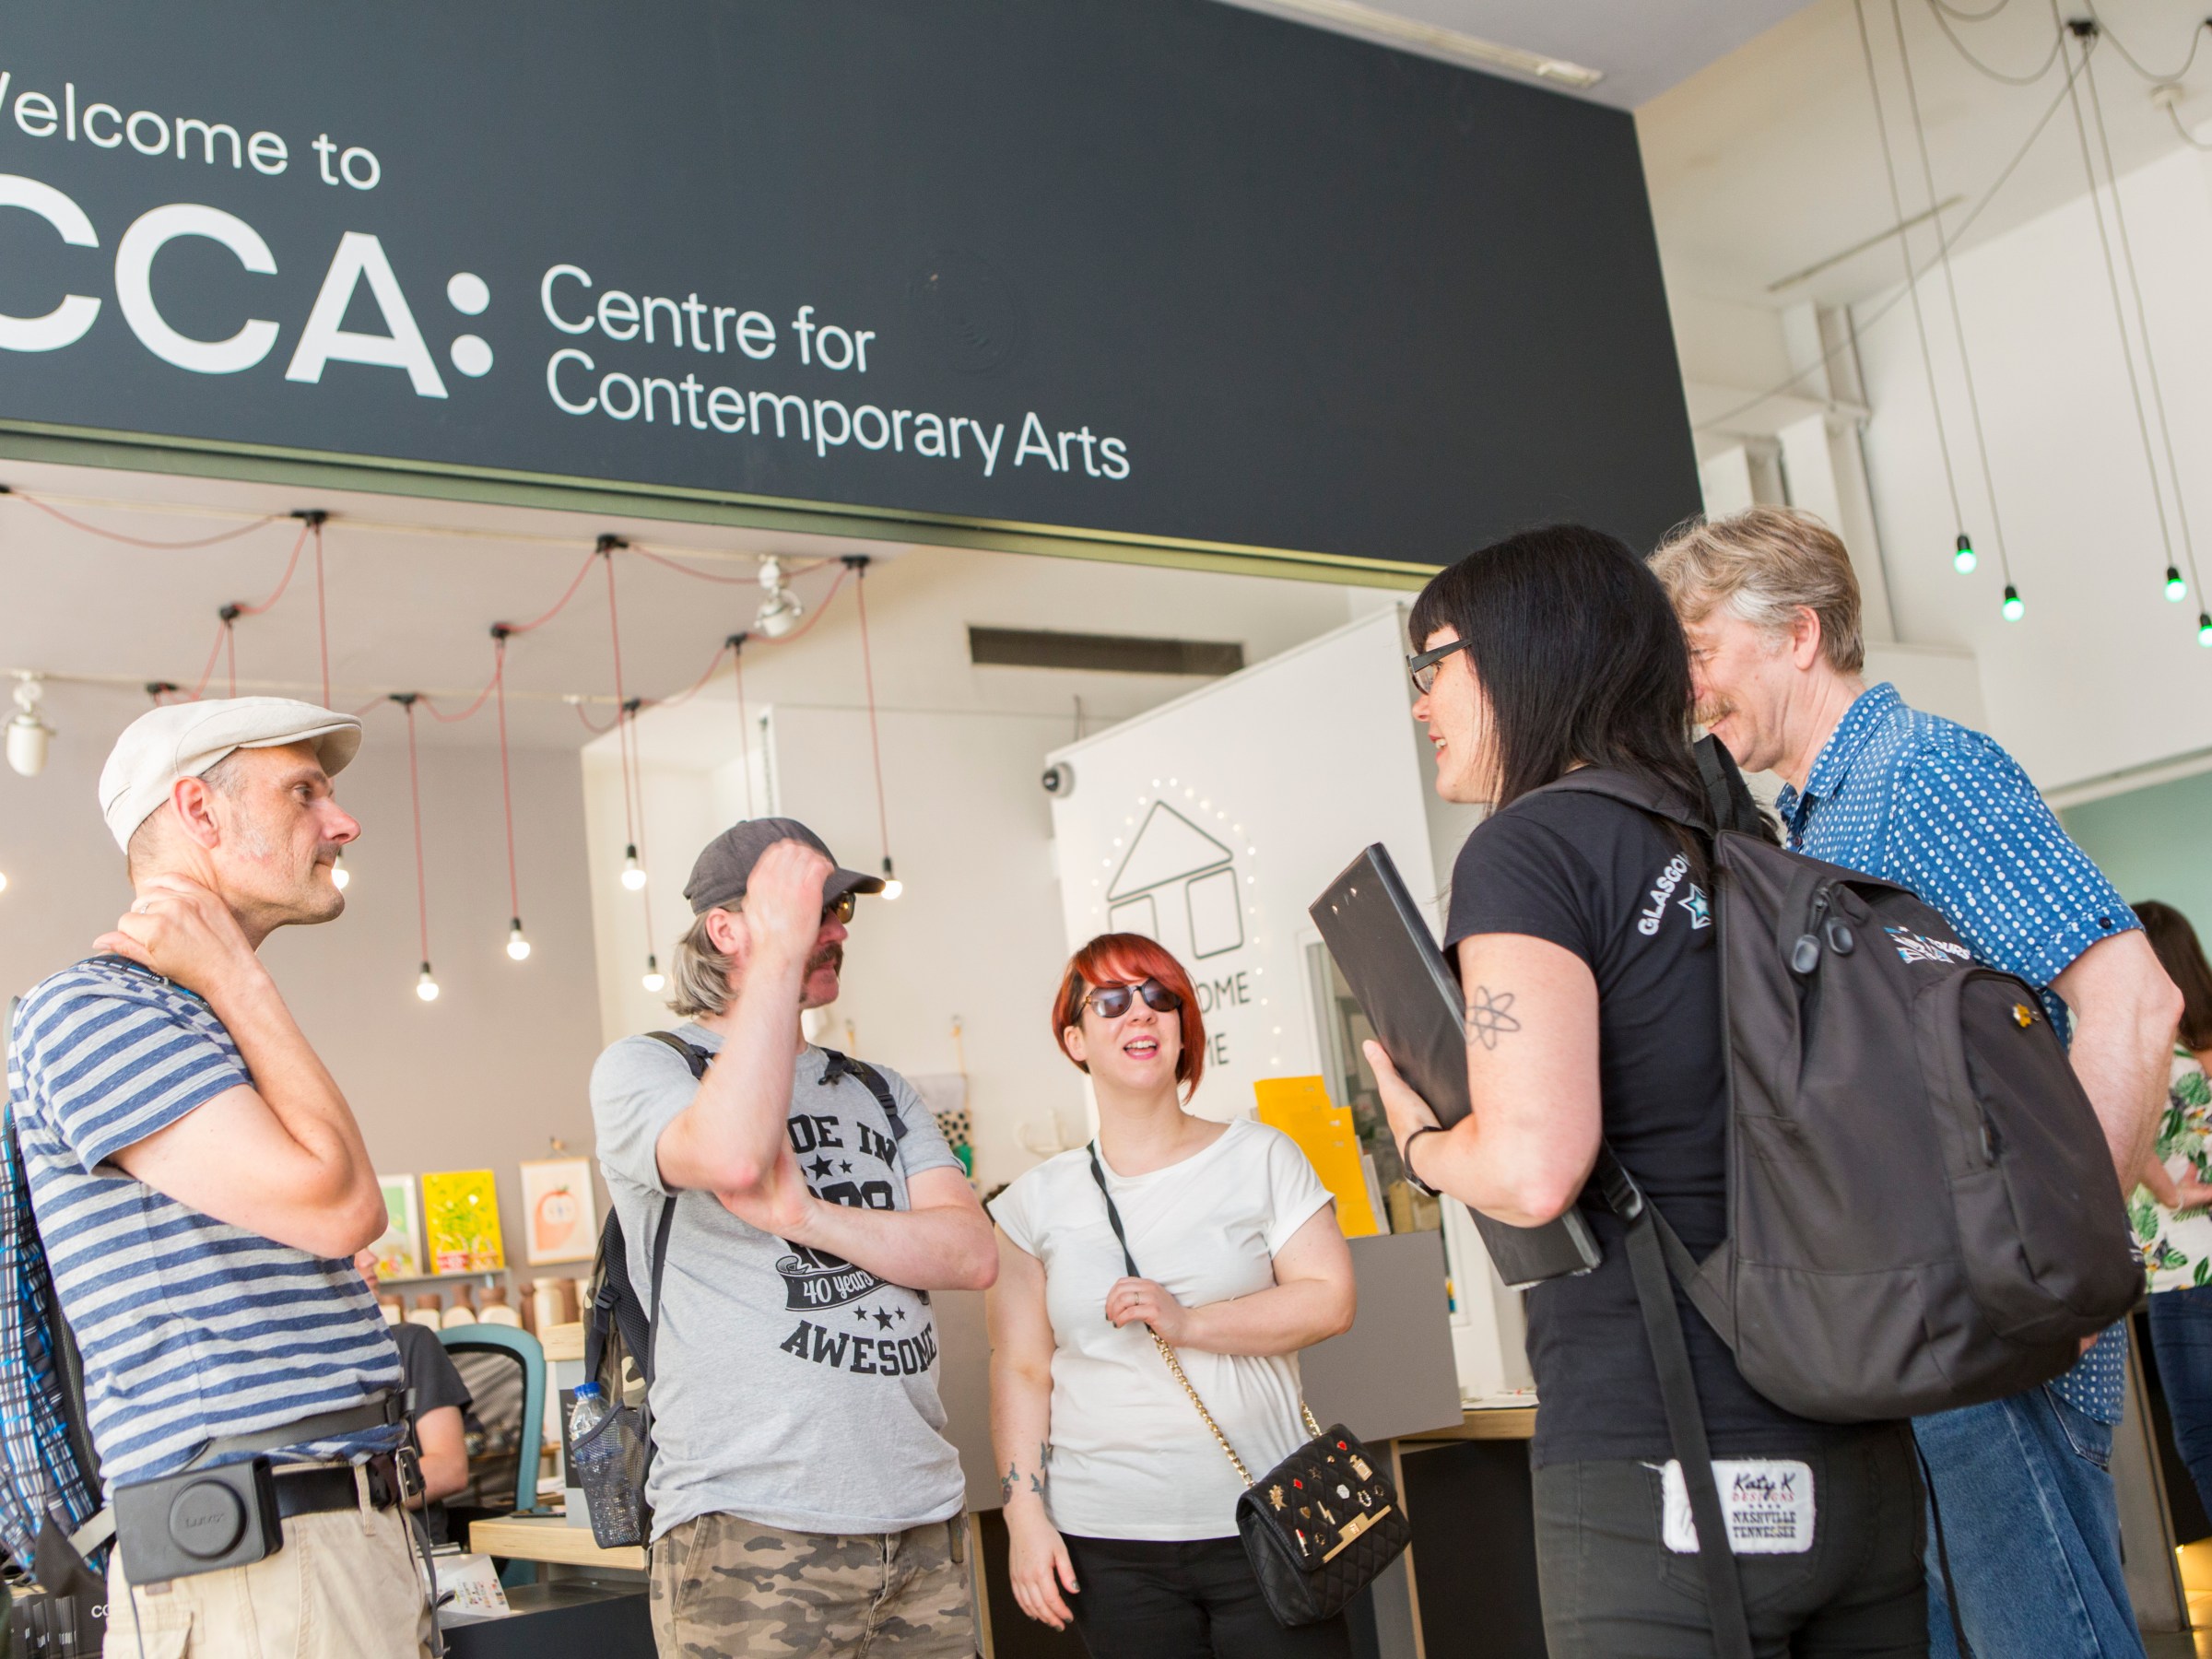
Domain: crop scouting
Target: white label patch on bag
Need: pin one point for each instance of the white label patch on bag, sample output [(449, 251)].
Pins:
[(1768, 1502)]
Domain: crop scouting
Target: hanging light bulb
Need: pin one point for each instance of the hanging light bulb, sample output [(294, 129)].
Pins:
[(27, 733), (425, 987), (1964, 560), (2013, 607), (780, 608), (633, 872), (892, 886), (340, 876), (2, 881), (517, 946), (654, 979), (2203, 629), (2176, 589)]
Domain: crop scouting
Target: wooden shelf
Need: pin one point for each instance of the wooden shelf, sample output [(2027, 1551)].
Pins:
[(549, 1538), (1507, 1422)]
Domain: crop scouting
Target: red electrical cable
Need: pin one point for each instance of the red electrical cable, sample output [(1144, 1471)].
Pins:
[(596, 731), (422, 891), (222, 632), (559, 604), (745, 727), (695, 687), (134, 541), (867, 674), (514, 900), (321, 610), (622, 710), (684, 569), (284, 582), (230, 653)]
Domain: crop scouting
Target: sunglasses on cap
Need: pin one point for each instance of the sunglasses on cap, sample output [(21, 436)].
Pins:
[(1110, 1002)]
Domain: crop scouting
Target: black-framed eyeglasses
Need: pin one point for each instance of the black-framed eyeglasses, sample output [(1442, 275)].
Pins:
[(1422, 665), (1110, 1002), (840, 908)]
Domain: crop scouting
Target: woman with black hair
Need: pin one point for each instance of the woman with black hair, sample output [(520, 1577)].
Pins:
[(2169, 1209), (1582, 934)]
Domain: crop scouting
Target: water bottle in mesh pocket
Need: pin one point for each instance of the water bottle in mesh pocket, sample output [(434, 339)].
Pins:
[(610, 1468)]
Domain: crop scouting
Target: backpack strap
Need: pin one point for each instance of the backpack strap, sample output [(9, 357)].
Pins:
[(615, 1295), (844, 1065), (1679, 1392)]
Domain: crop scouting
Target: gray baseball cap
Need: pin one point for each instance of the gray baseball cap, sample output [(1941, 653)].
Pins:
[(721, 870)]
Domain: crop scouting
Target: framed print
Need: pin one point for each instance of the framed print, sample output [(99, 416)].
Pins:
[(461, 1217), (560, 1222), (399, 1251)]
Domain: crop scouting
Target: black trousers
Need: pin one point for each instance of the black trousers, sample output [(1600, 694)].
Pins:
[(1611, 1587), (1194, 1600)]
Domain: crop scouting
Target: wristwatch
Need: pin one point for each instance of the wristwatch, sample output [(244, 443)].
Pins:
[(1406, 1157)]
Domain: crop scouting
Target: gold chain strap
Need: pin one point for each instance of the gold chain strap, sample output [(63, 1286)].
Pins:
[(1166, 1352)]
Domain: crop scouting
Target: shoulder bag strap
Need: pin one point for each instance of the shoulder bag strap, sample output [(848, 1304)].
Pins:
[(1679, 1392), (1167, 1350)]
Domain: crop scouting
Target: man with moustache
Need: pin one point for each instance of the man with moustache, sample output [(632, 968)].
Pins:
[(1771, 606), (199, 1184), (805, 1501)]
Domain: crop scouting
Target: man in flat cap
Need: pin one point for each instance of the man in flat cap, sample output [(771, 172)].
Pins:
[(805, 1501), (201, 1185)]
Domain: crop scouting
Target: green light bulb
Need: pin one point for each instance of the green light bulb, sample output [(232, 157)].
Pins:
[(2176, 589), (1963, 561), (2012, 607), (2203, 629)]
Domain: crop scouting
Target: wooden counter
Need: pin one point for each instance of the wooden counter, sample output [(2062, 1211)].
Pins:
[(1489, 1423), (550, 1538)]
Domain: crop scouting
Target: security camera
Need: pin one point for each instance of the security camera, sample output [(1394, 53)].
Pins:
[(1059, 779)]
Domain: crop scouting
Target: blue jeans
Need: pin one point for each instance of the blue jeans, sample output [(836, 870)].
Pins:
[(2032, 1529), (2181, 1335)]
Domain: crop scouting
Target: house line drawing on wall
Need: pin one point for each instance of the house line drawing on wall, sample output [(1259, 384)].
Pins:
[(1170, 851)]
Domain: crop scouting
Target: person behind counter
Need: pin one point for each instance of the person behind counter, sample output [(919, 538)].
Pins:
[(200, 1182), (1116, 1496), (437, 1398), (1549, 651)]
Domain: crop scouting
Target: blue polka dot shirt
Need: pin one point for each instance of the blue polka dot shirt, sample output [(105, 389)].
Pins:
[(1945, 811)]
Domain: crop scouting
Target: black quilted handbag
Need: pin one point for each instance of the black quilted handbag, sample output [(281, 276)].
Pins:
[(1322, 1524)]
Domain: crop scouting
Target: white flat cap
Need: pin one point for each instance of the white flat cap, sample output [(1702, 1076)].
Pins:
[(182, 740)]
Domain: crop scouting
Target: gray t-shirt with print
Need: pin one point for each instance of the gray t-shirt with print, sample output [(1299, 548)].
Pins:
[(791, 1387)]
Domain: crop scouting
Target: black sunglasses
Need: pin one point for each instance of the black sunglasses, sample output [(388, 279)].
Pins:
[(1423, 665), (841, 909), (1110, 1002)]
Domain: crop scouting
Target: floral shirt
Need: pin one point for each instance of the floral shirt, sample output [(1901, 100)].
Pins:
[(2178, 1244)]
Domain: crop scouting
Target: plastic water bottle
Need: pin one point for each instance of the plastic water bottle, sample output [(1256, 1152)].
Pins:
[(585, 1415), (604, 1468)]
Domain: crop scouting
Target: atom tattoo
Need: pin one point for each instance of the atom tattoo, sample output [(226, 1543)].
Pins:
[(1491, 1017)]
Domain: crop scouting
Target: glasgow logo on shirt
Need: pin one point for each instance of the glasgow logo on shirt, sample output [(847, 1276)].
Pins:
[(1919, 947), (1663, 889)]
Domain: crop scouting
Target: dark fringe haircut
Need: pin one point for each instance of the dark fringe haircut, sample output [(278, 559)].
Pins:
[(1580, 653), (2175, 943)]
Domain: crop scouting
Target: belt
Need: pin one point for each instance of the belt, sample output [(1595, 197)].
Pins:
[(314, 1491)]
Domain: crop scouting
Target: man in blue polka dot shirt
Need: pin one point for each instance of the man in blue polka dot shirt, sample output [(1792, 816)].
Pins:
[(1771, 608)]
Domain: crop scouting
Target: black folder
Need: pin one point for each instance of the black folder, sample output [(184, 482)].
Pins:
[(1410, 996)]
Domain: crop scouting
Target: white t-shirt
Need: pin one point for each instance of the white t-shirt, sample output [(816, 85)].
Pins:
[(1131, 1458)]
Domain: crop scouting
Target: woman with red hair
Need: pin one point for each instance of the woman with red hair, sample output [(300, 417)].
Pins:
[(1117, 1497)]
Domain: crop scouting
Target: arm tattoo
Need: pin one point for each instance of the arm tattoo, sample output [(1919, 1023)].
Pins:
[(1036, 1476), (1006, 1484), (1489, 1016)]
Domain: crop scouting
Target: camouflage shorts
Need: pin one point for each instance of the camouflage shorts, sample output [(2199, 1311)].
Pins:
[(727, 1588)]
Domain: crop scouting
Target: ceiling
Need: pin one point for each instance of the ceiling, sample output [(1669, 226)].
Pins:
[(1642, 47), (412, 590), (1768, 161)]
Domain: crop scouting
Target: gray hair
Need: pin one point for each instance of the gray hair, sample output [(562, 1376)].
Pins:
[(225, 777), (1766, 564), (700, 972)]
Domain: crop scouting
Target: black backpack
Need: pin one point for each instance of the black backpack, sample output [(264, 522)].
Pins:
[(1923, 1212), (618, 1324)]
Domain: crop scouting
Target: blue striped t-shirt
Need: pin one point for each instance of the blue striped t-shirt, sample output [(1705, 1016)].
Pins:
[(191, 1329)]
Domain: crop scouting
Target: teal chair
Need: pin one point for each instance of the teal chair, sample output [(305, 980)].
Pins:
[(505, 1370)]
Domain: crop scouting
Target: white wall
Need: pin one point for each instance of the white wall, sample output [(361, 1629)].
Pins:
[(481, 1079)]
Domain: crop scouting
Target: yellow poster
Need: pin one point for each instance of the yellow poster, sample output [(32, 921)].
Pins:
[(460, 1221), (1299, 1108)]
